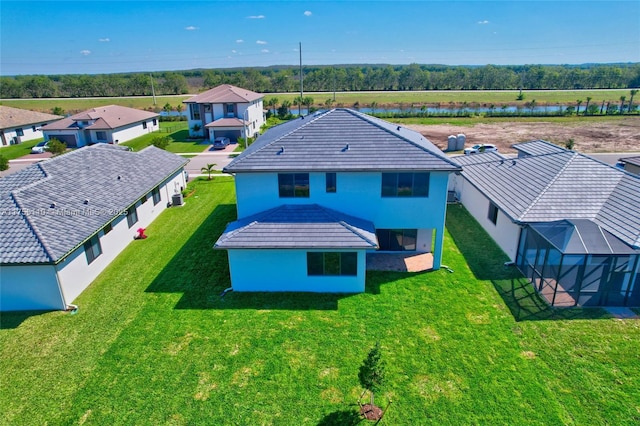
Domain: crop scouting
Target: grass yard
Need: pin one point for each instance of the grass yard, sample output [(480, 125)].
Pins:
[(154, 343), (12, 152), (176, 130), (480, 119)]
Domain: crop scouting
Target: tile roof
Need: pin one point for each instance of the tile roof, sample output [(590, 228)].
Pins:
[(563, 185), (299, 226), (106, 117), (340, 140), (108, 177), (225, 93), (226, 122), (15, 117), (537, 147), (631, 160)]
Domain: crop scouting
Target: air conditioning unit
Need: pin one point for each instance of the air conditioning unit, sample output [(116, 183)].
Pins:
[(177, 199)]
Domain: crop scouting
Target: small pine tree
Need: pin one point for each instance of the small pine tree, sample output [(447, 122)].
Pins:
[(569, 144), (372, 371), (4, 163)]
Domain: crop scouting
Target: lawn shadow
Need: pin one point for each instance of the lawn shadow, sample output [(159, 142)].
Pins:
[(341, 418), (201, 274), (487, 262), (13, 319)]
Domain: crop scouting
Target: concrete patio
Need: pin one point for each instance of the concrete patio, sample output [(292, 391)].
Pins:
[(402, 262)]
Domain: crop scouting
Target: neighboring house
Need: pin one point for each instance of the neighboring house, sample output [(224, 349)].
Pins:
[(225, 111), (315, 194), (631, 164), (569, 222), (21, 125), (108, 124), (63, 220)]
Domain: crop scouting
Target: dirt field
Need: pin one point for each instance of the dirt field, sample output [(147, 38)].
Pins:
[(611, 136)]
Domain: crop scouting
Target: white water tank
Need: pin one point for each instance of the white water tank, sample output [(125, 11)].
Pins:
[(452, 143), (461, 141)]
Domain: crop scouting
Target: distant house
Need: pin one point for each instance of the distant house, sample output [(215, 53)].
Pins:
[(21, 125), (316, 194), (64, 220), (631, 164), (108, 124), (225, 111), (569, 222)]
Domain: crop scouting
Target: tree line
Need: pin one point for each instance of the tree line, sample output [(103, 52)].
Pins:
[(328, 78)]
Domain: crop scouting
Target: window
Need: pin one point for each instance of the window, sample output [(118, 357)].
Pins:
[(19, 132), (155, 193), (207, 107), (143, 199), (397, 239), (331, 182), (493, 213), (195, 111), (332, 263), (101, 136), (33, 128), (230, 109), (293, 185), (132, 216), (92, 249), (107, 228), (155, 122), (405, 184), (144, 124)]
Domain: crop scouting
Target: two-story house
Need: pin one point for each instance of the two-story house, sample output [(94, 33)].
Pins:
[(315, 194), (106, 124), (225, 111)]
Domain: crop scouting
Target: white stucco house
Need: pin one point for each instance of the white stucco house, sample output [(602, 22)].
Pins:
[(225, 111), (316, 194), (63, 220), (570, 223), (21, 125), (112, 124)]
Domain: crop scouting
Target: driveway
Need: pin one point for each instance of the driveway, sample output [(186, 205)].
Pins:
[(218, 157), (24, 161)]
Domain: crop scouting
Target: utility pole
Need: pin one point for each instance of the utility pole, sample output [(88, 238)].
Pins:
[(301, 92)]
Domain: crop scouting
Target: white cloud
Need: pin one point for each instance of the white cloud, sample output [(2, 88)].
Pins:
[(485, 22), (239, 40), (85, 52), (265, 50), (261, 42), (307, 13), (104, 40), (234, 51), (256, 17), (191, 28)]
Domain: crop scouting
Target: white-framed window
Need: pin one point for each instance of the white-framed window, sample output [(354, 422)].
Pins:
[(20, 132)]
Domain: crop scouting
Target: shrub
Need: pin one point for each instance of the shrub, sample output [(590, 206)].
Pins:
[(161, 141), (4, 163), (56, 147)]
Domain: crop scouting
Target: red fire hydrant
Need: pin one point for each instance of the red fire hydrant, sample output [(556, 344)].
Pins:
[(141, 235)]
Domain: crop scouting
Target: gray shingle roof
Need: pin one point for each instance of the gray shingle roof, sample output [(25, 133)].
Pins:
[(340, 140), (31, 231), (563, 185), (16, 117), (537, 147), (299, 226)]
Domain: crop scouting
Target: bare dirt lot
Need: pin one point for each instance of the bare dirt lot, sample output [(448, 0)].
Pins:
[(597, 136)]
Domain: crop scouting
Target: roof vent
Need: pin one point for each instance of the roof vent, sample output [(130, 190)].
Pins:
[(302, 117), (86, 201), (398, 128), (119, 177), (52, 206), (501, 162), (513, 163), (346, 148), (281, 150)]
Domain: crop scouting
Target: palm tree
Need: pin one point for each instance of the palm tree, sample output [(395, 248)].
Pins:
[(179, 108), (328, 103), (586, 107), (374, 104), (578, 103), (633, 93), (307, 101), (622, 99), (208, 169), (298, 102), (273, 103)]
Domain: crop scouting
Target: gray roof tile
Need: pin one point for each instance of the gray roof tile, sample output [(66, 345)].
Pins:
[(537, 147), (299, 226), (32, 231), (340, 140)]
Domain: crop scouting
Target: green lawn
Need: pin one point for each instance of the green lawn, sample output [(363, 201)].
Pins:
[(176, 130), (154, 343), (12, 152)]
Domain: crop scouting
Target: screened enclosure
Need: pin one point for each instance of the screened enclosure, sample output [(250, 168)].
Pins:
[(578, 263)]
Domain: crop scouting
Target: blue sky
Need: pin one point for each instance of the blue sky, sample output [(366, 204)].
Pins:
[(88, 37)]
